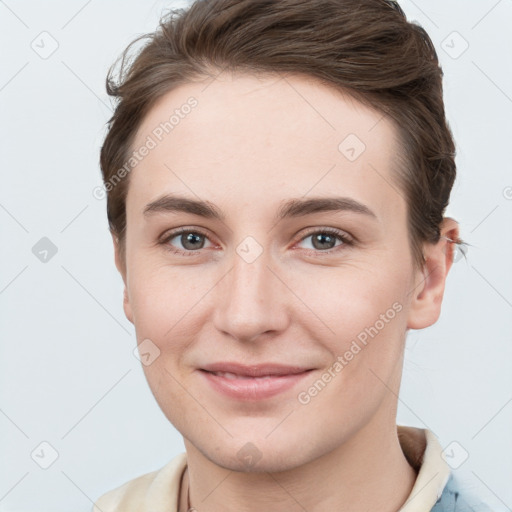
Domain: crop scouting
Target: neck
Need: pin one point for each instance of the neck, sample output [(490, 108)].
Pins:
[(368, 472)]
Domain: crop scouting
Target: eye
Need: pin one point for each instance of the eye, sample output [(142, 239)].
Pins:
[(324, 240), (192, 240)]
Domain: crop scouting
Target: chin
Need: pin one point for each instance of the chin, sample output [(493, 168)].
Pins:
[(250, 459), (257, 454)]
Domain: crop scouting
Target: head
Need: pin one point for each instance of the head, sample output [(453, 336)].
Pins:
[(253, 115)]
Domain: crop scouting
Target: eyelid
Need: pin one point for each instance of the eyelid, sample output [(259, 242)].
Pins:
[(172, 233), (333, 231)]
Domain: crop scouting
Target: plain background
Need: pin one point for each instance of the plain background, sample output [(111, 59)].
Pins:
[(68, 374)]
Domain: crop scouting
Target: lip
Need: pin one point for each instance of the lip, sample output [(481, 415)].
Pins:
[(255, 382), (255, 370)]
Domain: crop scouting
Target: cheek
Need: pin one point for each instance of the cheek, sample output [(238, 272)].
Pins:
[(163, 298), (169, 309), (363, 327), (366, 356), (345, 301)]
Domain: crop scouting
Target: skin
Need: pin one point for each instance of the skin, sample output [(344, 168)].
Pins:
[(250, 144)]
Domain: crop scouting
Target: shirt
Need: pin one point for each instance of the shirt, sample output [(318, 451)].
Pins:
[(435, 488)]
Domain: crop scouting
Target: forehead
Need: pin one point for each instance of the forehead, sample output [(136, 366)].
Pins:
[(267, 137)]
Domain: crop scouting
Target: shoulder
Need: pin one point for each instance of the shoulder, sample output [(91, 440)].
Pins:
[(457, 499), (157, 487)]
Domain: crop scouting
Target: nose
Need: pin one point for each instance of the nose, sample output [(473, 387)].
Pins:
[(251, 300)]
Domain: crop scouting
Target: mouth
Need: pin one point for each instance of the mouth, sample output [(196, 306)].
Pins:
[(234, 376), (254, 370), (248, 383)]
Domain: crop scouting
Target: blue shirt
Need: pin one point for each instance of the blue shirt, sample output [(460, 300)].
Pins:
[(453, 500)]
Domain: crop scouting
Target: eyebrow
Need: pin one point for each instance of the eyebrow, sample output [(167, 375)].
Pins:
[(292, 208)]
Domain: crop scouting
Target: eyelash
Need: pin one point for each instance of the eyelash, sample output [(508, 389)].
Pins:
[(347, 241)]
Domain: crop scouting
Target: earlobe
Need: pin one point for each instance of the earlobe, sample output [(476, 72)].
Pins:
[(427, 295)]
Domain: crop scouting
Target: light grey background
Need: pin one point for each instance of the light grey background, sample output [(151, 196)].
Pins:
[(68, 374)]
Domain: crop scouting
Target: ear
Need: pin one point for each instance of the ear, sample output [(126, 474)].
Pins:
[(121, 267), (427, 294)]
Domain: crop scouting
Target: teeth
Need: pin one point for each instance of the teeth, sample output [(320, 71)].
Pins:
[(232, 376)]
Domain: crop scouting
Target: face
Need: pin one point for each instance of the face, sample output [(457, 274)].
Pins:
[(296, 267)]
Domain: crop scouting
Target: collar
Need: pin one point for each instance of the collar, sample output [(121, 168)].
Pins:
[(424, 453)]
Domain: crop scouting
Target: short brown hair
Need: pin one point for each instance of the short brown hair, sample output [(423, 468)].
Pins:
[(366, 48)]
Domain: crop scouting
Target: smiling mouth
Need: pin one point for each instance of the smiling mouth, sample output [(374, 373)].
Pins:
[(254, 370), (233, 376), (243, 387)]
